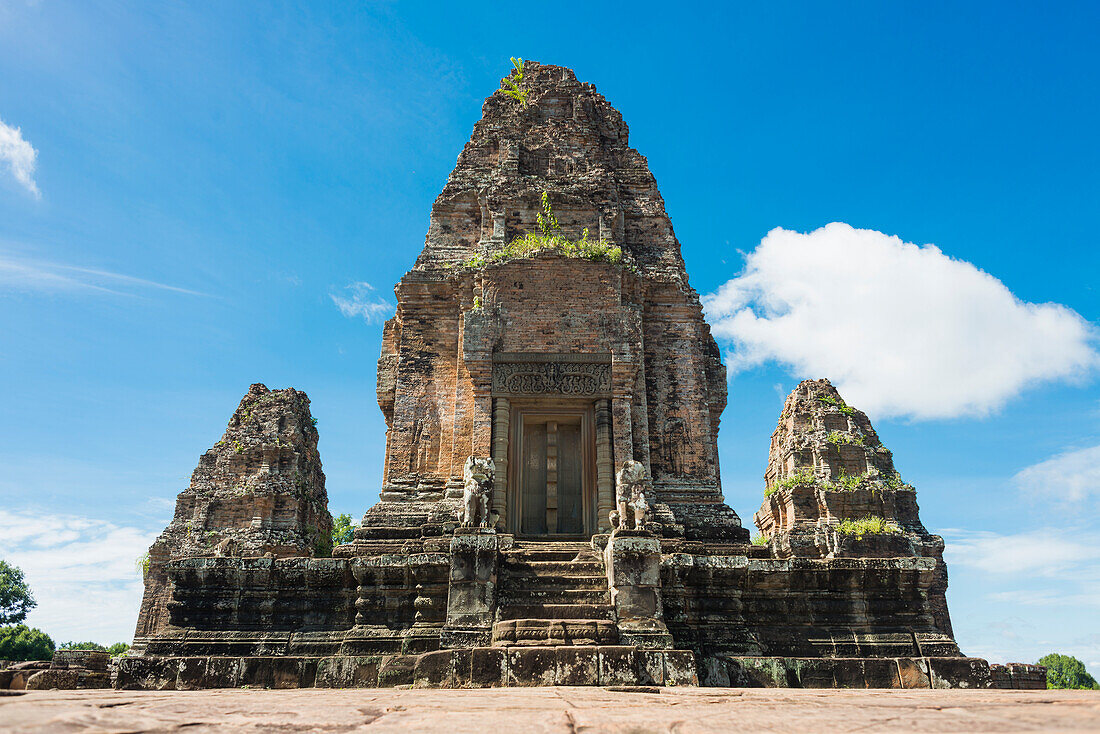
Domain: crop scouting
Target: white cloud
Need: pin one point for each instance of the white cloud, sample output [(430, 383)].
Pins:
[(20, 273), (901, 329), (359, 300), (19, 156), (1072, 476), (1040, 552), (82, 572)]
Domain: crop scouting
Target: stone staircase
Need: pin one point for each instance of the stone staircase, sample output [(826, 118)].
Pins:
[(553, 593)]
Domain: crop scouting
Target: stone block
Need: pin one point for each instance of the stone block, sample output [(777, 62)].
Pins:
[(461, 662), (66, 679), (680, 668), (960, 673), (347, 672), (577, 666), (222, 672), (93, 660), (531, 666), (396, 670), (487, 667), (822, 673), (434, 670), (192, 674), (912, 673), (617, 665), (651, 667), (147, 674)]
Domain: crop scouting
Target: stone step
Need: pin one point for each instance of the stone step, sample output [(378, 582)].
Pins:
[(540, 589), (552, 544), (540, 632), (552, 596), (550, 552), (553, 568), (555, 611), (546, 583)]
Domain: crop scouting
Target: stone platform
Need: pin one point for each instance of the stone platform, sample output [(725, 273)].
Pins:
[(683, 710)]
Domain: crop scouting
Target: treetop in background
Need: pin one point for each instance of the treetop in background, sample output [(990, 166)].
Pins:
[(16, 599)]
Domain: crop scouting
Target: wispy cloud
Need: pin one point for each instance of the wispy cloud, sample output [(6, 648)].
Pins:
[(359, 299), (19, 156), (27, 274), (1072, 476), (1047, 552), (901, 329), (82, 571)]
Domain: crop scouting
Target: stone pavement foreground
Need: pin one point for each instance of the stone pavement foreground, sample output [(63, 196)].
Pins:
[(560, 709)]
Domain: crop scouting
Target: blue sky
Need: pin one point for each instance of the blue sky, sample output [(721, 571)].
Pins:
[(189, 191)]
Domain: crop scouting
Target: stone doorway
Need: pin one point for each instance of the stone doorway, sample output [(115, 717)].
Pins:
[(552, 488)]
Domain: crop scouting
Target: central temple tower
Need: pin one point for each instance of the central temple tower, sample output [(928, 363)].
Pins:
[(559, 365)]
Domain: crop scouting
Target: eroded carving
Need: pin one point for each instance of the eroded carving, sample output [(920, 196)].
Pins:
[(477, 477), (630, 495)]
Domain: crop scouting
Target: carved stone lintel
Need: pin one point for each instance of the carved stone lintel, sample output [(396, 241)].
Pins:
[(583, 379)]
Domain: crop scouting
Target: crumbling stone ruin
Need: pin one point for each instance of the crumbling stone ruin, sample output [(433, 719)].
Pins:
[(258, 492), (545, 339)]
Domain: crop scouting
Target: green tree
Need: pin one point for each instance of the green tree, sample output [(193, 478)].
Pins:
[(1066, 671), (82, 646), (119, 648), (343, 529), (15, 596), (20, 642)]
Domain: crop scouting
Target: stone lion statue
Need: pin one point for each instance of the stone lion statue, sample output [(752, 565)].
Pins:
[(630, 495), (477, 477)]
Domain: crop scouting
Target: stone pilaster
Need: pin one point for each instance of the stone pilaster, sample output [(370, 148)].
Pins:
[(605, 470), (502, 417)]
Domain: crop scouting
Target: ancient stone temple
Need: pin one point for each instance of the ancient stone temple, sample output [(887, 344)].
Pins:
[(551, 508)]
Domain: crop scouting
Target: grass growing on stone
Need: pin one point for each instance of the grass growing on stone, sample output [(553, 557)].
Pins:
[(894, 481), (550, 239), (836, 438), (511, 82), (868, 526), (848, 482), (838, 404), (531, 244), (843, 483), (802, 476)]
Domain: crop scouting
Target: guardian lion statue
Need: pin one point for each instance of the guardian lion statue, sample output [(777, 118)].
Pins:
[(477, 477), (630, 495)]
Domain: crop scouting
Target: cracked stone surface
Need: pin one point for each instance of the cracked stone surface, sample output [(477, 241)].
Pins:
[(552, 710)]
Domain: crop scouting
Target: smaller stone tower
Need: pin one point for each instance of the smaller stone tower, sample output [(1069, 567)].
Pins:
[(831, 490), (258, 491)]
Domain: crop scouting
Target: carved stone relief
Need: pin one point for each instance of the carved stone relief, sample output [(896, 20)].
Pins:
[(551, 378)]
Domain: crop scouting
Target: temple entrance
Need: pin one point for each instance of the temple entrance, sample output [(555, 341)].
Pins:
[(552, 454)]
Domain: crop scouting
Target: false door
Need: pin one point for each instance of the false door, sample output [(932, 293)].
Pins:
[(552, 453)]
